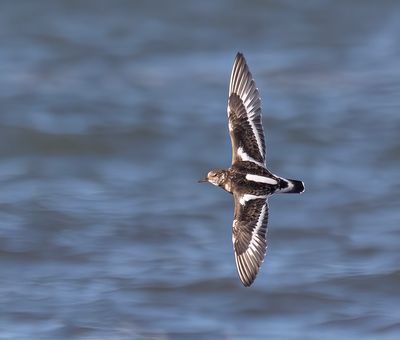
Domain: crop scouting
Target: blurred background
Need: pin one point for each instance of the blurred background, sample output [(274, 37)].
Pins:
[(111, 111)]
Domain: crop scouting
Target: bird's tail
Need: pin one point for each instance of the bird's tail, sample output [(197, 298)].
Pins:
[(290, 186)]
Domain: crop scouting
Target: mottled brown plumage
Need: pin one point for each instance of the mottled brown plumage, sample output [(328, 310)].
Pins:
[(248, 178)]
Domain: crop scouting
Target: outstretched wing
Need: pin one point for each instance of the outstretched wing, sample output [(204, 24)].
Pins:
[(244, 115), (249, 235)]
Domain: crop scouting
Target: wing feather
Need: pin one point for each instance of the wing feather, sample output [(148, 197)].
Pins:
[(249, 233), (244, 115)]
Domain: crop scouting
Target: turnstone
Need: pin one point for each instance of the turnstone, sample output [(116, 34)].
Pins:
[(248, 178)]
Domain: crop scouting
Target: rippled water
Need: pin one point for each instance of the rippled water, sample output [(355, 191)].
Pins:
[(111, 111)]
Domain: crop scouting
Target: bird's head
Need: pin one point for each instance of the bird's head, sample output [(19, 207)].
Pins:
[(216, 177)]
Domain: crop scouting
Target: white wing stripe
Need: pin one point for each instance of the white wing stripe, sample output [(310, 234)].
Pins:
[(248, 197), (245, 157), (261, 179), (259, 222)]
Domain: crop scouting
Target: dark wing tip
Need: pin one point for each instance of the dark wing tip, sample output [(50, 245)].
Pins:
[(239, 59), (241, 77), (239, 55)]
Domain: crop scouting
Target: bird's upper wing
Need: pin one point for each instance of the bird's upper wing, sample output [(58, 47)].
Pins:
[(244, 115), (249, 236)]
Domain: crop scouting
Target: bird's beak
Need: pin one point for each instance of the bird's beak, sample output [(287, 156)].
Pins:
[(202, 180)]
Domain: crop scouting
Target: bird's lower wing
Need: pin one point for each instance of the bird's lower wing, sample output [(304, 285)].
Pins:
[(249, 236)]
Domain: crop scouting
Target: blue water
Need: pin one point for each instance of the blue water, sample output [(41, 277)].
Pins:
[(111, 111)]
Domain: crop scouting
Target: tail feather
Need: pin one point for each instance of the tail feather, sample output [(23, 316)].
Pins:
[(290, 186)]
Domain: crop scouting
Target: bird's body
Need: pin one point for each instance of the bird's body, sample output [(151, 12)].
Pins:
[(248, 178)]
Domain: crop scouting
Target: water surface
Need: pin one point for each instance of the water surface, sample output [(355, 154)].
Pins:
[(111, 112)]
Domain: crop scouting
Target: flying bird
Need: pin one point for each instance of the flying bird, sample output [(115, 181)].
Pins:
[(248, 177)]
